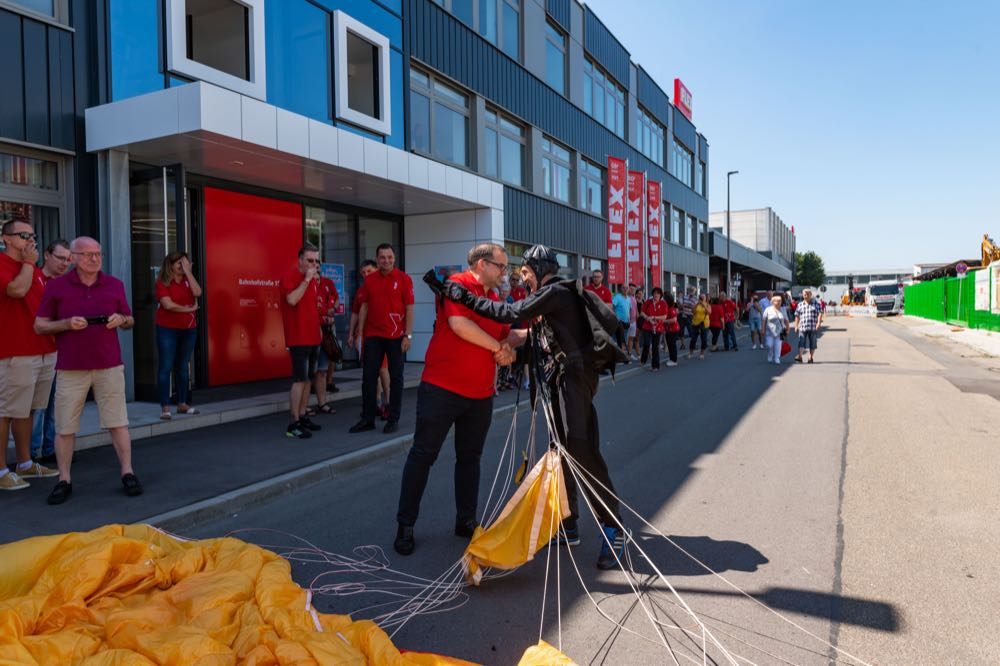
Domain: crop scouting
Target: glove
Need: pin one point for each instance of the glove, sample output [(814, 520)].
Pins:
[(432, 281), (453, 291)]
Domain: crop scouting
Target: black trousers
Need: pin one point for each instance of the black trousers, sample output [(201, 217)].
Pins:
[(649, 338), (672, 345), (374, 350), (577, 427), (715, 335), (698, 333), (437, 410)]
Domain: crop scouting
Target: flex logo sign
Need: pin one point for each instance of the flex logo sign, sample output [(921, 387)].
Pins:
[(616, 220), (635, 219)]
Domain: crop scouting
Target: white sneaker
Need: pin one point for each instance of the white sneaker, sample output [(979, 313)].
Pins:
[(671, 364), (11, 481)]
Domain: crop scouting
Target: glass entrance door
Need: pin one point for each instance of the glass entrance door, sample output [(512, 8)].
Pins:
[(158, 228)]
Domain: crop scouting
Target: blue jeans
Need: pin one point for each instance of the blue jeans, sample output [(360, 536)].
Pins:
[(174, 347), (43, 429), (729, 335)]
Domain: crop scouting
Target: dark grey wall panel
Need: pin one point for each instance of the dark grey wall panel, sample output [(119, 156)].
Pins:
[(604, 47), (684, 198), (684, 130), (36, 82), (61, 89), (532, 219), (652, 97), (11, 77), (677, 259), (559, 10)]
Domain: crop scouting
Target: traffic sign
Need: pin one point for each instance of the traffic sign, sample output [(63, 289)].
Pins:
[(961, 269)]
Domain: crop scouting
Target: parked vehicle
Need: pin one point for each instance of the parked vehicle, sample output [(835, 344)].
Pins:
[(886, 296)]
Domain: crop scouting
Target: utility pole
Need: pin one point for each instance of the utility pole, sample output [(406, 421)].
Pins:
[(729, 241)]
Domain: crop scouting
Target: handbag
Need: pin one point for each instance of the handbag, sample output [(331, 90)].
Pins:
[(330, 345)]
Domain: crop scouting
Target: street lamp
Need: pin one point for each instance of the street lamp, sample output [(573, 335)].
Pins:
[(729, 241)]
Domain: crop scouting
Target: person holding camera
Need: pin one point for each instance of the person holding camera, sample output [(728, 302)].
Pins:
[(177, 292), (83, 310)]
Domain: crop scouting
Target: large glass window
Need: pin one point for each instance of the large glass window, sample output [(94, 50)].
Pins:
[(217, 35), (498, 21), (298, 62), (556, 170), (555, 58), (649, 136), (682, 163), (703, 237), (504, 148), (30, 191), (676, 217), (591, 187), (510, 28), (699, 178), (603, 99), (691, 233), (439, 118)]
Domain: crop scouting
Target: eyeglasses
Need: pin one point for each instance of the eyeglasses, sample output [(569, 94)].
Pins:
[(24, 235), (89, 255), (312, 261), (61, 257), (503, 267)]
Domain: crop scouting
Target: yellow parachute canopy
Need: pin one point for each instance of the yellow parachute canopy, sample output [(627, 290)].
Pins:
[(133, 595), (544, 654), (527, 523)]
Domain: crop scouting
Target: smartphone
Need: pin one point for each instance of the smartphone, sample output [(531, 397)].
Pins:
[(103, 319)]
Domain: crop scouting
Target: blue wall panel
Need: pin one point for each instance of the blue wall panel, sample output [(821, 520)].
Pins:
[(604, 47), (36, 82), (533, 219), (559, 10), (11, 77), (136, 47), (684, 130), (652, 97)]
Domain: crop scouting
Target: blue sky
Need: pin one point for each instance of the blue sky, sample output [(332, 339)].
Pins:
[(872, 127)]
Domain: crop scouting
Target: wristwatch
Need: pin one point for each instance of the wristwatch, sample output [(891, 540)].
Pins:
[(409, 337)]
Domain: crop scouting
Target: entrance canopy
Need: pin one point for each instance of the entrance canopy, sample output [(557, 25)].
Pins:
[(216, 132)]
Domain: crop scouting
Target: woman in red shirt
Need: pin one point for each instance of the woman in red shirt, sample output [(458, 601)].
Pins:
[(673, 329), (176, 329), (715, 318), (654, 311)]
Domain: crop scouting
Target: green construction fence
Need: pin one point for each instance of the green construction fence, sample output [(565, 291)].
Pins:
[(950, 300)]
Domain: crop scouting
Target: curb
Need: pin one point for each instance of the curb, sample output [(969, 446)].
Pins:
[(214, 508)]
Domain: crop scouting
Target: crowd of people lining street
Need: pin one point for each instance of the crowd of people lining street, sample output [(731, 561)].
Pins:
[(491, 325)]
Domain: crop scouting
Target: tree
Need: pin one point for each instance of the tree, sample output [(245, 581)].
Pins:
[(809, 269)]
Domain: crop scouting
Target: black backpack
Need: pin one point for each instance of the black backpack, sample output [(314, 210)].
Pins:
[(603, 352)]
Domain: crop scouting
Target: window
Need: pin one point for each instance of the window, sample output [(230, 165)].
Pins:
[(699, 178), (555, 170), (498, 21), (591, 187), (219, 41), (30, 191), (362, 74), (676, 216), (56, 9), (690, 234), (703, 237), (504, 148), (682, 163), (555, 58), (649, 137), (603, 99), (439, 118)]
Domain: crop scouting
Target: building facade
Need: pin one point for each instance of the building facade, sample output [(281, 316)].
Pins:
[(760, 230), (237, 129)]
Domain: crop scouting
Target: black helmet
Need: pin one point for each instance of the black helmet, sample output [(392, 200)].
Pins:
[(541, 260)]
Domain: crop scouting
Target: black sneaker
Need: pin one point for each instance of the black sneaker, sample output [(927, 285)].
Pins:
[(404, 543), (466, 529), (332, 388), (391, 426), (362, 426), (60, 493), (131, 485), (297, 431), (612, 549), (566, 536), (308, 423)]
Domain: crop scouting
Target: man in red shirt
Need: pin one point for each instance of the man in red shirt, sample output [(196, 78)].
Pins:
[(597, 286), (729, 323), (43, 432), (457, 388), (27, 360), (386, 322), (517, 290), (302, 336)]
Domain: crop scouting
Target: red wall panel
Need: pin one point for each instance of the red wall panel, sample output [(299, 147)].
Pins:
[(250, 242)]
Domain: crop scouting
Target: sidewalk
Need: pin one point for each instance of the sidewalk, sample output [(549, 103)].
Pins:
[(984, 342)]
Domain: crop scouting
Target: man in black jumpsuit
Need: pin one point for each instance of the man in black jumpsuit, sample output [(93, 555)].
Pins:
[(572, 382)]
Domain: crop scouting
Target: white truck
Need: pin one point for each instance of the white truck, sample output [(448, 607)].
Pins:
[(886, 296)]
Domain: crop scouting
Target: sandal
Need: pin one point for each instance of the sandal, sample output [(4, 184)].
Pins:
[(165, 415), (327, 409), (189, 410), (310, 411)]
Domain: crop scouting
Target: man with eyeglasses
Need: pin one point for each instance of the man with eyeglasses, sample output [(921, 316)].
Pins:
[(457, 388), (27, 360), (300, 319), (84, 309), (43, 432)]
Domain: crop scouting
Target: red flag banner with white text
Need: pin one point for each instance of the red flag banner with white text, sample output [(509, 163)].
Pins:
[(654, 225), (635, 223), (616, 220)]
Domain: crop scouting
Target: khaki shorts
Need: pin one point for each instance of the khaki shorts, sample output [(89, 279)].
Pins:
[(25, 382), (109, 393)]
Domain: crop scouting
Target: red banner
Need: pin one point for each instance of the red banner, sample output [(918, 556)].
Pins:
[(616, 221), (635, 222), (654, 221)]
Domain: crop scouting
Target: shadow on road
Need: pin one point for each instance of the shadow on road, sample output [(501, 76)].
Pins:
[(719, 556)]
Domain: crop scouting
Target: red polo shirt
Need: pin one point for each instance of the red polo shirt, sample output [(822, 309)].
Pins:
[(518, 294), (387, 297), (95, 347), (672, 314), (654, 308), (18, 314), (452, 363), (326, 296), (181, 294), (301, 321), (602, 292), (730, 307), (716, 316)]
